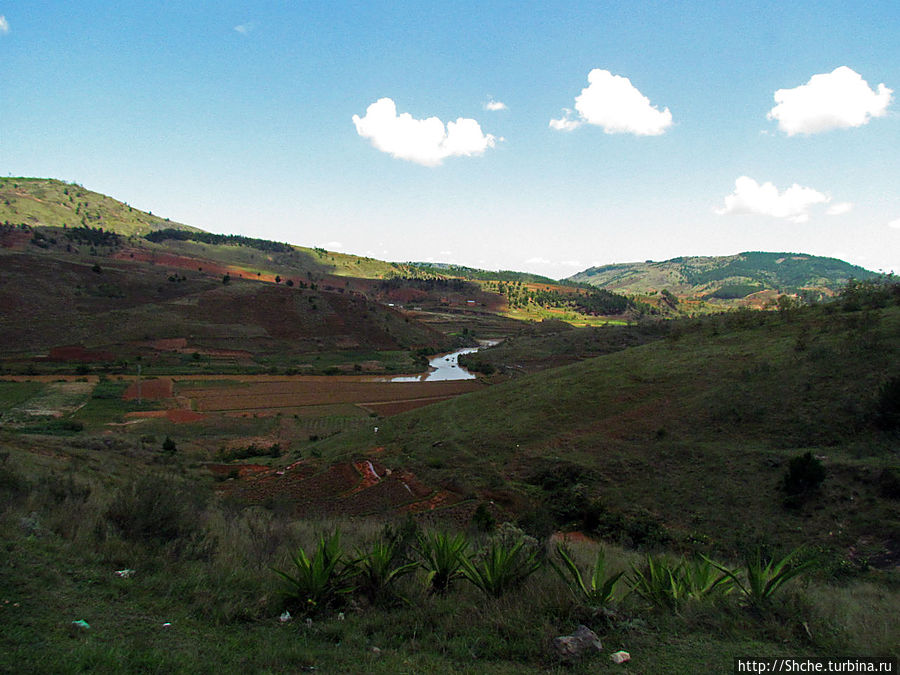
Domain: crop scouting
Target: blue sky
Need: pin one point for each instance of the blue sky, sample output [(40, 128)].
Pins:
[(627, 131)]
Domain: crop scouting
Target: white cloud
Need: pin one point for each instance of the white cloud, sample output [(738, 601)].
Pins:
[(566, 122), (839, 209), (895, 224), (333, 246), (4, 25), (793, 204), (837, 100), (612, 102), (570, 263), (427, 142), (245, 28), (537, 260), (495, 105)]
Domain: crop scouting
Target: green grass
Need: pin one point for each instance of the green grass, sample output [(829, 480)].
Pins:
[(53, 203), (722, 404), (16, 393)]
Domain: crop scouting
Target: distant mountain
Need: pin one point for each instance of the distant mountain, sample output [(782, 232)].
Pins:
[(726, 277)]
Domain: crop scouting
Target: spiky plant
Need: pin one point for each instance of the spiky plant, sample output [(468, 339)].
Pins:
[(379, 568), (501, 568), (598, 590), (442, 557), (322, 580), (763, 579)]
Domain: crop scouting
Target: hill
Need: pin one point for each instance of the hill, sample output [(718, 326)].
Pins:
[(686, 438), (46, 202), (733, 277)]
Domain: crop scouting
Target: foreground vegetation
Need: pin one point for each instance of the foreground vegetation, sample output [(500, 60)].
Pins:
[(167, 579)]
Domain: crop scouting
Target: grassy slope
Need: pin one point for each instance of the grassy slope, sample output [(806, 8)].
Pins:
[(53, 203), (698, 276), (695, 429)]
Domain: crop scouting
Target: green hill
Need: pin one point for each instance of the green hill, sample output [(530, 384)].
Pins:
[(726, 277), (46, 202), (688, 438)]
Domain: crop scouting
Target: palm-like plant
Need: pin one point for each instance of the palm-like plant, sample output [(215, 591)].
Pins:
[(598, 590), (442, 556), (670, 584), (763, 579), (379, 568), (501, 568), (321, 580)]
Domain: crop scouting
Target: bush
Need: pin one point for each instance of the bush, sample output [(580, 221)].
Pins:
[(804, 474), (154, 510), (887, 413)]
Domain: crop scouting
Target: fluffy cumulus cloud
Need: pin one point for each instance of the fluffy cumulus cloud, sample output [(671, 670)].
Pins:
[(4, 25), (895, 224), (428, 142), (793, 204), (837, 100), (495, 105), (839, 209), (612, 102)]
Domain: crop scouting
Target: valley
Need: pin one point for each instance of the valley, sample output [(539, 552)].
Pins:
[(199, 408)]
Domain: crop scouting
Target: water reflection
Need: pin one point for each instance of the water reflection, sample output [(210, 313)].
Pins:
[(442, 367)]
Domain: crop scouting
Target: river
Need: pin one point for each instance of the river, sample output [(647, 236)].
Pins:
[(445, 367)]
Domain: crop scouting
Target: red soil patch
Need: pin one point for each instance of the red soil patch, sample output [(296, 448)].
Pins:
[(159, 388), (360, 488), (169, 344), (78, 353)]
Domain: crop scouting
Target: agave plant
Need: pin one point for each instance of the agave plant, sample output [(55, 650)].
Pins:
[(661, 582), (501, 567), (378, 569), (321, 580), (442, 556), (763, 580), (670, 584), (598, 590)]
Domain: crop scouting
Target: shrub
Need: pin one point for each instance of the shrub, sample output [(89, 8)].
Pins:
[(154, 509), (804, 474), (887, 413)]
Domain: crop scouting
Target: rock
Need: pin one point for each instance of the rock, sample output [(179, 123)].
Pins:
[(574, 646), (620, 657)]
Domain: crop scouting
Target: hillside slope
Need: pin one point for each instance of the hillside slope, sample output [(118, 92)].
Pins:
[(46, 202), (726, 277), (687, 437)]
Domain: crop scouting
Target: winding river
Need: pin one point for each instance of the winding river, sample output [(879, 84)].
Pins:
[(445, 367)]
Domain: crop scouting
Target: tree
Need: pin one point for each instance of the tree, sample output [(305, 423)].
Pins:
[(226, 279), (169, 446)]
